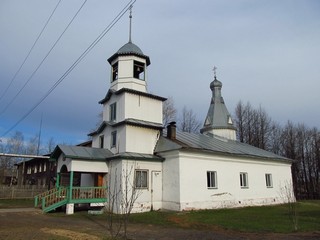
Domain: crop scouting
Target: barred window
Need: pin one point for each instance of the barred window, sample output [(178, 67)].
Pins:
[(212, 179), (244, 180), (269, 180)]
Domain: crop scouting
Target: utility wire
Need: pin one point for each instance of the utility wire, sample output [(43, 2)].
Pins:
[(34, 44), (34, 72), (91, 46)]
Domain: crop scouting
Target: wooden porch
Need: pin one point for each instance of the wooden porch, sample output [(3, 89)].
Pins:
[(60, 196)]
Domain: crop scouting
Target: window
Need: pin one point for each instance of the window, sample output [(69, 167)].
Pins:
[(114, 139), (115, 72), (141, 179), (113, 111), (212, 179), (138, 70), (269, 180), (244, 180), (101, 141), (44, 167)]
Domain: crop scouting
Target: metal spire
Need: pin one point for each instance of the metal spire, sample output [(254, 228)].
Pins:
[(130, 26)]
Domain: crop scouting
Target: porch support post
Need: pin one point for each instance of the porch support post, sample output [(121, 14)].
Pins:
[(70, 186), (58, 180), (70, 206)]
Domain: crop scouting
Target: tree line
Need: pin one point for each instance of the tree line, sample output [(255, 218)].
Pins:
[(295, 141)]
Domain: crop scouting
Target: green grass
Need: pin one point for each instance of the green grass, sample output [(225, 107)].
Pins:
[(266, 219), (16, 203)]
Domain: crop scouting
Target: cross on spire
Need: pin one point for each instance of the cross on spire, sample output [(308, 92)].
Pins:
[(214, 72)]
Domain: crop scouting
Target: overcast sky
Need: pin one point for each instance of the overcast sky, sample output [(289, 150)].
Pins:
[(267, 53)]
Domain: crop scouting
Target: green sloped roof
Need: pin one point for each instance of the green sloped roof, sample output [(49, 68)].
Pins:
[(214, 144)]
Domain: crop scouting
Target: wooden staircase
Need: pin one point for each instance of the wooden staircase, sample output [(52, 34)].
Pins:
[(57, 197)]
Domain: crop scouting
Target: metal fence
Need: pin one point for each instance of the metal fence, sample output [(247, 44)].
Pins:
[(24, 192)]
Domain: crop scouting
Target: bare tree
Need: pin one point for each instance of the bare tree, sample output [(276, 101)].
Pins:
[(286, 193), (122, 195), (188, 121), (50, 145), (32, 145), (169, 111)]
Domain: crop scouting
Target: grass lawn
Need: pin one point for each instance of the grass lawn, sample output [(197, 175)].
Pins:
[(16, 203), (265, 219), (249, 219)]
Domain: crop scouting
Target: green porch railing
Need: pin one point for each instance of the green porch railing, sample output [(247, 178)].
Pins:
[(60, 196)]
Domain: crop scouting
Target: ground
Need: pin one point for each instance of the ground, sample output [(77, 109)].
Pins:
[(33, 224)]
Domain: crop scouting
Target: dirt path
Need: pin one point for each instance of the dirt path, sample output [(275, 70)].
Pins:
[(28, 224)]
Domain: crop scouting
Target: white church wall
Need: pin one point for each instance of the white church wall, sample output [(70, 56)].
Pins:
[(225, 133), (89, 166), (140, 107), (171, 181), (196, 195), (140, 140), (62, 160), (149, 197)]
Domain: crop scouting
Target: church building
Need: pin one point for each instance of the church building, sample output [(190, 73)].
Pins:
[(134, 155)]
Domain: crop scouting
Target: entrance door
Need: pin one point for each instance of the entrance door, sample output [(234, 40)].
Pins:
[(156, 190)]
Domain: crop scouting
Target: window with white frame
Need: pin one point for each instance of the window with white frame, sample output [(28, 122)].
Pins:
[(244, 180), (212, 179), (113, 112), (113, 139), (141, 178), (269, 180), (44, 167)]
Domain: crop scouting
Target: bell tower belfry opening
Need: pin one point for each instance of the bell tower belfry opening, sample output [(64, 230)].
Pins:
[(129, 66)]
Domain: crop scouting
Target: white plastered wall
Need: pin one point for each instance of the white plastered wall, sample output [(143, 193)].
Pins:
[(150, 197), (196, 195), (185, 181)]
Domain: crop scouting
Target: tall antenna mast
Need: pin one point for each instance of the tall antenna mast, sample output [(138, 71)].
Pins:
[(130, 26), (39, 137)]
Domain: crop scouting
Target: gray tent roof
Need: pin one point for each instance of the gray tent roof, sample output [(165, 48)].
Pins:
[(129, 49), (213, 144), (218, 116)]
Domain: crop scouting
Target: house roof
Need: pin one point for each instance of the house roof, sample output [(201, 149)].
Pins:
[(136, 156), (129, 121), (129, 49), (132, 91), (213, 144), (79, 152)]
